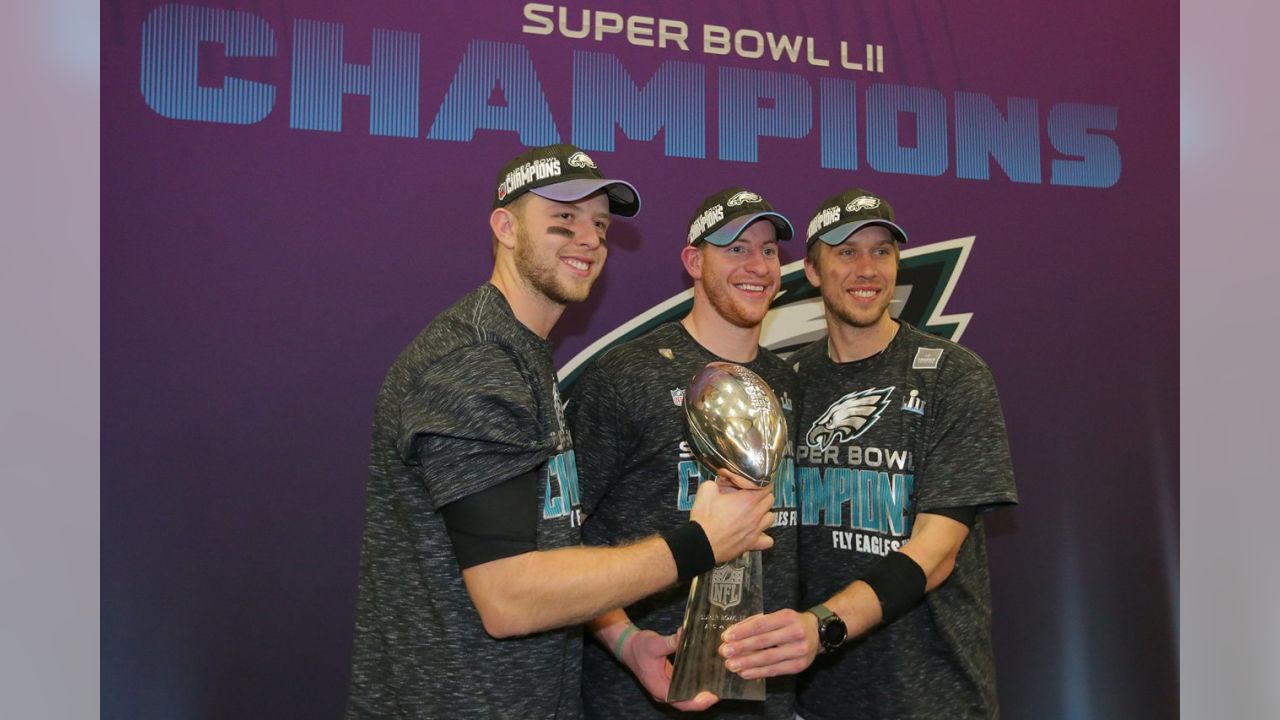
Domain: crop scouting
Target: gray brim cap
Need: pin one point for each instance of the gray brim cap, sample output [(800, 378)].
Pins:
[(561, 173), (723, 215), (844, 214), (623, 198), (734, 228), (840, 233)]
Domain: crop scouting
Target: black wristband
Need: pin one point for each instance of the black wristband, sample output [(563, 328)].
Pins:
[(898, 583), (963, 515), (691, 550)]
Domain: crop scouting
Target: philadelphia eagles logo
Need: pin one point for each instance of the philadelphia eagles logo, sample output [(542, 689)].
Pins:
[(582, 160), (746, 196), (863, 202), (848, 417), (926, 276)]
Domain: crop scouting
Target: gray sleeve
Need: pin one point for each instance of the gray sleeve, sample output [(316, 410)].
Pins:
[(470, 422), (967, 447), (599, 424)]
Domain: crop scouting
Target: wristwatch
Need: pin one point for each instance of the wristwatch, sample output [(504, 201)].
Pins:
[(831, 629)]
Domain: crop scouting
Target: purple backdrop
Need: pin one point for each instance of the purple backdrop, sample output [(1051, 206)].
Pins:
[(258, 277)]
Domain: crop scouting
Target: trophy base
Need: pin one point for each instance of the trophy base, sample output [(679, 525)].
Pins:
[(725, 595)]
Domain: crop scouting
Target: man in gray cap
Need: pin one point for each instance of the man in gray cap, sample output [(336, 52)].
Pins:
[(638, 473), (472, 580), (901, 449)]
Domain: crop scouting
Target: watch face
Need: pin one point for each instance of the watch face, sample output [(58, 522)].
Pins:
[(831, 629), (833, 632)]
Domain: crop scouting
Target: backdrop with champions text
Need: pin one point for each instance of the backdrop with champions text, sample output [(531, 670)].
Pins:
[(291, 190)]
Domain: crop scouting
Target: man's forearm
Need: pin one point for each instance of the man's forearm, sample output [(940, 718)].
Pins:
[(608, 627), (932, 547), (553, 588), (541, 590)]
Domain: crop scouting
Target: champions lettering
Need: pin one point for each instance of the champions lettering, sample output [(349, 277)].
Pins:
[(705, 220), (690, 474), (823, 219), (530, 171), (561, 498), (857, 125), (868, 500)]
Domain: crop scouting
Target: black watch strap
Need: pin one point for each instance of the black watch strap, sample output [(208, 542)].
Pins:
[(831, 629)]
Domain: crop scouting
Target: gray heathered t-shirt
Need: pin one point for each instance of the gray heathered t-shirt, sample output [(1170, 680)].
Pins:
[(915, 428), (470, 403), (639, 478)]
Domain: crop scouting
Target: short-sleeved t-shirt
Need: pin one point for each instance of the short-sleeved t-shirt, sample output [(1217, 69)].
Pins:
[(470, 403), (915, 428), (639, 477)]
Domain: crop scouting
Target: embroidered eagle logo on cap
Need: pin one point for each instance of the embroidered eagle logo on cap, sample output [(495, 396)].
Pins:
[(582, 160), (863, 202), (746, 196)]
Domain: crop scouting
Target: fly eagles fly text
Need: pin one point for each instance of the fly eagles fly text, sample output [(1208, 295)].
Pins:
[(858, 118)]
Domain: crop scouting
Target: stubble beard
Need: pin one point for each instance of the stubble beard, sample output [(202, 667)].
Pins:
[(543, 276), (720, 295), (849, 317)]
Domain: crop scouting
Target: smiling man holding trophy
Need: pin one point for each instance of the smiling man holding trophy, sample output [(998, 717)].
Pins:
[(898, 618), (640, 467)]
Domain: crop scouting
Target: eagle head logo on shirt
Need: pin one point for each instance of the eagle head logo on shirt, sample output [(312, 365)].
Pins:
[(848, 417)]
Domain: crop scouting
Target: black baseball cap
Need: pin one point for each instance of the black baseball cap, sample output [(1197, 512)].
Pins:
[(562, 173), (721, 218), (840, 216)]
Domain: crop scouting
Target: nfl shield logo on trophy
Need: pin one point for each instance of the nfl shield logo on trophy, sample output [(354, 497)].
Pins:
[(726, 586)]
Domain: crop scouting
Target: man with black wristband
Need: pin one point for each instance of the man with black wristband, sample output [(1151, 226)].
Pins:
[(901, 449), (473, 583), (638, 474)]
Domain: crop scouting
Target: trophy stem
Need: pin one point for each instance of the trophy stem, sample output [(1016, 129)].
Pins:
[(719, 598)]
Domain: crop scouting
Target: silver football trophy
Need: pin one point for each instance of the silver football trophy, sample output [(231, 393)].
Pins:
[(735, 423)]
